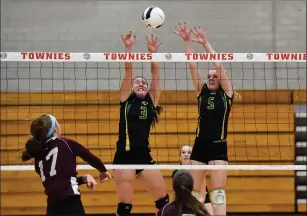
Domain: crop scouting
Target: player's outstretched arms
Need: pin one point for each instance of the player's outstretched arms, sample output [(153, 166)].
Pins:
[(155, 87), (185, 33), (126, 84), (201, 38)]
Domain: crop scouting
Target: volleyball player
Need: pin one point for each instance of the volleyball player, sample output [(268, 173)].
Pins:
[(185, 153), (184, 203), (138, 113), (214, 102), (55, 162)]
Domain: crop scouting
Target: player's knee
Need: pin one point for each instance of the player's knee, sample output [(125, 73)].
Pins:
[(162, 202), (124, 209), (196, 194), (218, 197)]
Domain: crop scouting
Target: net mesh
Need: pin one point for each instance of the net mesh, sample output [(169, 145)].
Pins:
[(84, 97), (266, 139)]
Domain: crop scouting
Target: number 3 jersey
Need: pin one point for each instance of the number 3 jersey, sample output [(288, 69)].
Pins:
[(57, 165), (213, 108), (136, 117)]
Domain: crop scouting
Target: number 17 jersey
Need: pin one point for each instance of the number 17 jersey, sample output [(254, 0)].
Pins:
[(57, 165)]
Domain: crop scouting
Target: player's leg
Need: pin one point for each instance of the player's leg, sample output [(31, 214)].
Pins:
[(124, 183), (198, 157), (199, 178), (155, 183), (55, 208), (207, 203), (209, 208), (218, 180), (50, 209), (153, 180), (71, 205), (124, 187)]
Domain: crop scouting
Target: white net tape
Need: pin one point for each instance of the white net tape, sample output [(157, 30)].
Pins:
[(153, 57), (179, 167)]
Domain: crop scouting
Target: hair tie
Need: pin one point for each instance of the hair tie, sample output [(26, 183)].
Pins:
[(53, 120)]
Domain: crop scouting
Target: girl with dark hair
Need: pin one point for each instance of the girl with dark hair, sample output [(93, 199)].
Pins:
[(185, 202), (55, 162), (185, 154)]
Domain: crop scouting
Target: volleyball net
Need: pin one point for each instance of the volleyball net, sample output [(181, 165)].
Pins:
[(266, 130)]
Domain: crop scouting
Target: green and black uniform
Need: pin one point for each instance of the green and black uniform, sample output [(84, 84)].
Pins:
[(136, 117), (211, 134)]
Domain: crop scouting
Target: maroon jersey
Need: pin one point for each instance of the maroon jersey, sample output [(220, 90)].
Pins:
[(174, 209), (57, 165)]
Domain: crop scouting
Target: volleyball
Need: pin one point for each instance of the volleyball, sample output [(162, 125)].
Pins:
[(153, 17)]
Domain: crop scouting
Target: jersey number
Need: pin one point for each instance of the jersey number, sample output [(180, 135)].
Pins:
[(143, 114), (54, 154), (210, 103)]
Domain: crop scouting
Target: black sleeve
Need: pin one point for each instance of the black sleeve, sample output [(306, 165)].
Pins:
[(80, 180)]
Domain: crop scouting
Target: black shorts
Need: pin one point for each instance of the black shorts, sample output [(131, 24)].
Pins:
[(137, 157), (71, 205), (206, 151)]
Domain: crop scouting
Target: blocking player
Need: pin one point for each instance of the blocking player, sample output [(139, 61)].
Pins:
[(215, 97), (139, 111)]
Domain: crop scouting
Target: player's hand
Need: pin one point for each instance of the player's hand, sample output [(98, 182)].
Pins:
[(200, 35), (103, 176), (183, 31), (152, 44), (129, 40), (89, 181)]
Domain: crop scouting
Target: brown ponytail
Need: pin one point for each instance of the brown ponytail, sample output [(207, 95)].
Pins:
[(183, 186), (35, 145), (157, 112), (33, 148)]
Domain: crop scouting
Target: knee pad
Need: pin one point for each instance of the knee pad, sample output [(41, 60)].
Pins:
[(162, 202), (196, 194), (218, 197), (124, 209)]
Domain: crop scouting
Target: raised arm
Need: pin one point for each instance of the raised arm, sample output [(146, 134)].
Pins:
[(155, 87), (185, 34), (126, 84), (201, 37)]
